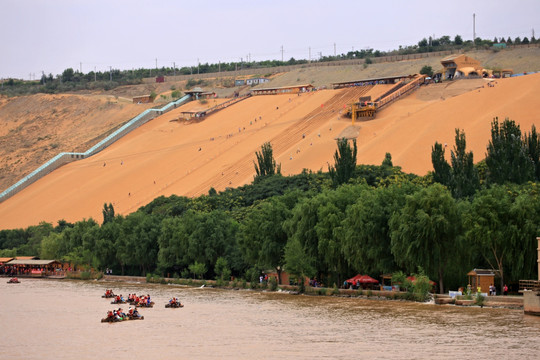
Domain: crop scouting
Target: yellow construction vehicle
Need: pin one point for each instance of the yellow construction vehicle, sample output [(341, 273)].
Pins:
[(364, 109)]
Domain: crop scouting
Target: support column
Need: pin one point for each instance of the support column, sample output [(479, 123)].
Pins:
[(538, 258)]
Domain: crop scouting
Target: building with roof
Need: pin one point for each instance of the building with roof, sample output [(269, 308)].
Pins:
[(294, 89), (455, 66), (372, 81), (256, 81), (482, 278), (198, 93)]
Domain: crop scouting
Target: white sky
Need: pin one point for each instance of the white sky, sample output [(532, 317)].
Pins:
[(52, 35)]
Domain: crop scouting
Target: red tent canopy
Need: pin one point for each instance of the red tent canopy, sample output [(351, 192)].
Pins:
[(413, 279), (363, 279)]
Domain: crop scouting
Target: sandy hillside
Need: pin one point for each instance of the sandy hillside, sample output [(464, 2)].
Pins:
[(166, 157), (169, 157), (36, 128)]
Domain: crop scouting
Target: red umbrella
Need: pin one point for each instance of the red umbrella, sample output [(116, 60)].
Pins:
[(362, 279), (366, 279)]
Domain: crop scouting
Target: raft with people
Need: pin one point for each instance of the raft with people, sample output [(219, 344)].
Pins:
[(13, 281), (119, 299), (108, 294), (174, 303), (119, 315), (142, 301)]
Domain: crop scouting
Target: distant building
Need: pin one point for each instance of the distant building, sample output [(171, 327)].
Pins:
[(160, 79), (256, 81), (239, 82), (294, 89), (455, 66)]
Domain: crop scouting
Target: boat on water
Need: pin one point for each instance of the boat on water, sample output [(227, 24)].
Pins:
[(125, 318), (176, 304)]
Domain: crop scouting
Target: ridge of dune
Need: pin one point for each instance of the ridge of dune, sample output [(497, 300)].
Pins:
[(165, 157)]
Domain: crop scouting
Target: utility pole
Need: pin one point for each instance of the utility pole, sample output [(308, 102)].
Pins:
[(80, 66), (532, 33), (174, 68), (110, 73), (219, 66), (473, 27), (281, 53), (309, 54), (198, 66), (95, 74), (335, 50), (156, 65), (43, 77)]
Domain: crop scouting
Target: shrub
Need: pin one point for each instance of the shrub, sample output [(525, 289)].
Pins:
[(335, 290), (426, 70), (184, 274), (301, 287), (273, 283), (369, 293), (479, 300), (85, 275)]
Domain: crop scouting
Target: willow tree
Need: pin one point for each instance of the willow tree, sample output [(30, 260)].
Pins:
[(426, 232)]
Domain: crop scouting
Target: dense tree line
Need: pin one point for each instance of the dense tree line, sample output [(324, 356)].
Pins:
[(73, 80), (380, 220)]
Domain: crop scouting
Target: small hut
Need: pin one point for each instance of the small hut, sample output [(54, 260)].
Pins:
[(481, 278)]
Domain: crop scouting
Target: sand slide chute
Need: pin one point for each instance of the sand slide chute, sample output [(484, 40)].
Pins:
[(67, 157)]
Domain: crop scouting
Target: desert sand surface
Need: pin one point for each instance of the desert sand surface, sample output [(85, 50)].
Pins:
[(36, 128), (167, 157)]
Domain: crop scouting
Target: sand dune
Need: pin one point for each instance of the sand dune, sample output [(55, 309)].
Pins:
[(167, 157)]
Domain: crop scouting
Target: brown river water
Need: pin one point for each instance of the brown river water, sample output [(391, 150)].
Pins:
[(60, 319)]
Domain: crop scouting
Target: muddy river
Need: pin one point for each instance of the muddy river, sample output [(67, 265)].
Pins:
[(60, 319)]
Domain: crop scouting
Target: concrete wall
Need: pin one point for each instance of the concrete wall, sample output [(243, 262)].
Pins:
[(531, 302)]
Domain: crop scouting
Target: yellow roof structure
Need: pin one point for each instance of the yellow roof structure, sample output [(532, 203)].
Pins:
[(461, 65)]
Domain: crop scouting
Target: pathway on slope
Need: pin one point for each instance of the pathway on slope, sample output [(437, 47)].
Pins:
[(286, 140)]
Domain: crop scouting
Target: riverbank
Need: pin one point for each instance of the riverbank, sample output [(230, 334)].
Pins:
[(506, 302)]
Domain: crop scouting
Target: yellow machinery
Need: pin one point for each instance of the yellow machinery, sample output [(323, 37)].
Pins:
[(364, 108)]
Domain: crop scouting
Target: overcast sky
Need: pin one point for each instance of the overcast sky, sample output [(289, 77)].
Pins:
[(52, 35)]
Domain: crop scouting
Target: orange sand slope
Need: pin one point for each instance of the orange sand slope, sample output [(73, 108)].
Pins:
[(166, 157)]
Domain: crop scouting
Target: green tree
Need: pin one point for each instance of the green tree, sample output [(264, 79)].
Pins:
[(262, 240), (222, 269), (507, 157), (464, 181), (425, 232), (442, 171), (366, 229), (266, 164), (458, 40), (344, 162), (502, 223), (297, 261), (108, 213), (426, 70), (387, 160), (198, 269), (532, 144)]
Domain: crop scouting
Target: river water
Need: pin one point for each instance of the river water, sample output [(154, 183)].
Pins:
[(60, 319)]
